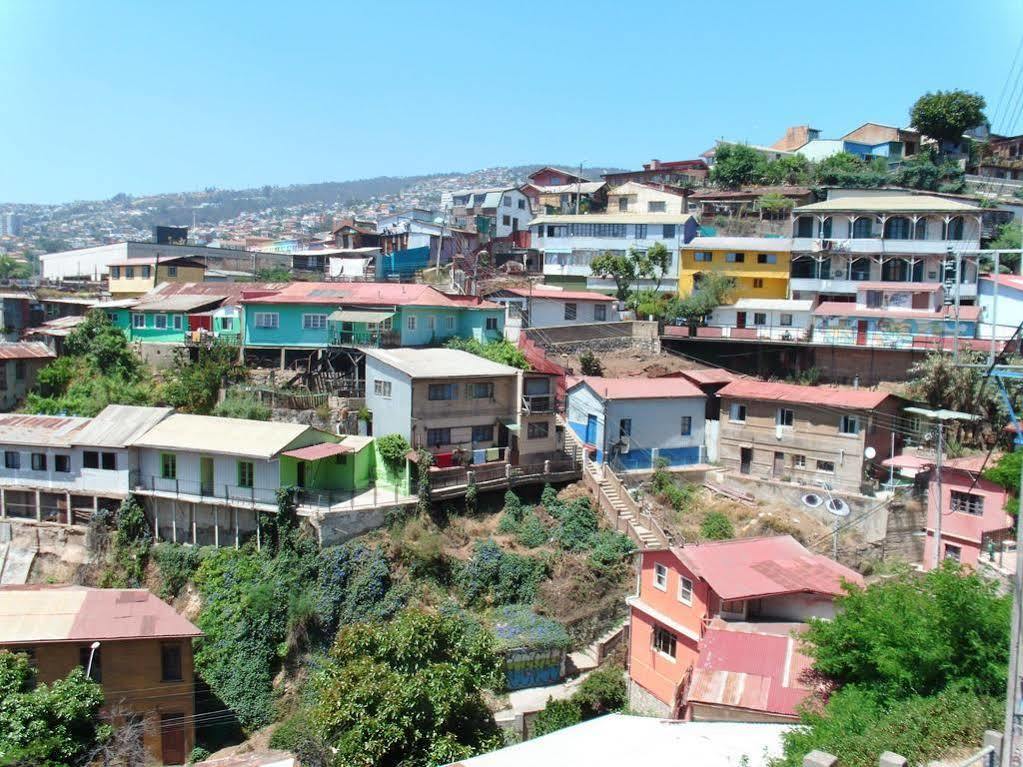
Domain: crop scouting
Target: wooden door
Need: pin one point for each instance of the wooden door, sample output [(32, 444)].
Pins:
[(172, 738), (740, 319), (779, 463), (591, 429), (745, 460)]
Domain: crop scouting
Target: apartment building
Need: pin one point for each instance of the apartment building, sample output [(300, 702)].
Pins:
[(876, 236), (687, 594), (130, 642), (809, 434), (758, 266)]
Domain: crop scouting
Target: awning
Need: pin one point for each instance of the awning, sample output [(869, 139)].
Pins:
[(318, 452), (355, 315), (510, 424)]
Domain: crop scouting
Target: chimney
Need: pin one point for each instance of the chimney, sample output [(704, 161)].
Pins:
[(655, 165)]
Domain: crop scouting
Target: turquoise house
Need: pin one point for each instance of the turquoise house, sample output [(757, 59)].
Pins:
[(314, 315)]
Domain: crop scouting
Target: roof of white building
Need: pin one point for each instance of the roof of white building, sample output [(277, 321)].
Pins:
[(775, 244), (586, 187), (614, 218), (120, 425), (50, 430), (440, 363), (617, 739), (772, 304), (231, 436), (882, 203)]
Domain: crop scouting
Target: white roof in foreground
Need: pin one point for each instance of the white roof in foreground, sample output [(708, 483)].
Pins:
[(211, 434), (617, 739), (768, 244), (440, 363), (119, 425), (773, 304)]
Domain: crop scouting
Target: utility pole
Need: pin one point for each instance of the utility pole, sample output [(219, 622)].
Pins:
[(937, 503), (578, 188), (1012, 692)]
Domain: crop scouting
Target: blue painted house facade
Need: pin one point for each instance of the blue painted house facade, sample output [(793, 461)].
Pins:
[(635, 422)]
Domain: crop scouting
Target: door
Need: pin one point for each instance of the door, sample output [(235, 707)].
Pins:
[(172, 738), (591, 430), (779, 463), (861, 333), (740, 319), (206, 475), (300, 474), (745, 460)]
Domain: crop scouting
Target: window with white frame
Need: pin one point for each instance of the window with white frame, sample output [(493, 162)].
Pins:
[(687, 425), (160, 321), (785, 320), (138, 321), (661, 577), (967, 503), (955, 553), (850, 424), (759, 318), (685, 590), (314, 321), (798, 461), (784, 417), (737, 413), (656, 206), (449, 323), (410, 322), (177, 322), (490, 323), (382, 388), (481, 390), (267, 320), (664, 641)]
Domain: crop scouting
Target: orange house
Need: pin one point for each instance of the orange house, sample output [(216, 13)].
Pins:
[(742, 582)]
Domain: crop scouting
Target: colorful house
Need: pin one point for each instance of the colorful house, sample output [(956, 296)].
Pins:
[(132, 277), (741, 582), (315, 315), (758, 265)]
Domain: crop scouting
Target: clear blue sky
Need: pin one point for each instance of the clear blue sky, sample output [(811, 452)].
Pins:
[(144, 96)]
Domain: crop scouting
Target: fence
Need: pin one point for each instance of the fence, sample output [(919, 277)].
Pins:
[(234, 494), (284, 398)]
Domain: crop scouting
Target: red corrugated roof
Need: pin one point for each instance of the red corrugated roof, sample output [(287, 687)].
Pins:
[(845, 309), (1008, 280), (638, 388), (25, 350), (705, 376), (745, 568), (752, 670), (566, 295), (361, 294), (316, 452), (856, 399)]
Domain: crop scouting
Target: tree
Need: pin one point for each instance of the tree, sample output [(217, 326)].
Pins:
[(619, 267), (1009, 237), (711, 291), (946, 115), (922, 172), (590, 364), (794, 169), (737, 165), (193, 387), (848, 170), (408, 692), (774, 204), (10, 269), (55, 725), (652, 264), (104, 345)]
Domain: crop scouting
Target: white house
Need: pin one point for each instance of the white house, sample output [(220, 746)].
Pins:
[(1003, 315), (642, 197), (93, 263), (542, 306), (506, 209), (774, 319), (633, 422)]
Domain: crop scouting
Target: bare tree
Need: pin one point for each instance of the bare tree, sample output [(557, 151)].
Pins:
[(125, 746)]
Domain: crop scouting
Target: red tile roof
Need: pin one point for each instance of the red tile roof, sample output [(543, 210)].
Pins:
[(772, 391), (746, 568), (566, 295), (753, 670), (637, 388), (845, 309), (230, 292), (25, 350), (361, 294), (316, 452)]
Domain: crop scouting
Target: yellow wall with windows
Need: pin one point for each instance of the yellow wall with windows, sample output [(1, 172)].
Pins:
[(123, 286), (755, 277)]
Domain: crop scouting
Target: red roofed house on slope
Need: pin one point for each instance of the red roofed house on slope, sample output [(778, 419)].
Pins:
[(690, 601), (143, 662), (812, 434)]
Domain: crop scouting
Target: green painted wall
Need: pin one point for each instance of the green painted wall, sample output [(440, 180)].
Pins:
[(388, 479), (355, 473)]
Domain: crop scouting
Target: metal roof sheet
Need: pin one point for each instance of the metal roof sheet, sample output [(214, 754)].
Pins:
[(178, 303), (230, 436), (637, 388), (614, 218), (831, 396), (440, 363), (564, 295), (120, 425), (766, 244), (846, 309), (51, 430), (882, 203), (363, 294), (355, 315), (25, 350), (773, 304), (319, 451)]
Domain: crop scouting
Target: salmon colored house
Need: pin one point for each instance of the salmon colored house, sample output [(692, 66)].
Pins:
[(972, 512), (743, 583)]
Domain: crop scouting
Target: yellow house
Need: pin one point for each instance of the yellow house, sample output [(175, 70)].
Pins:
[(759, 265), (137, 276)]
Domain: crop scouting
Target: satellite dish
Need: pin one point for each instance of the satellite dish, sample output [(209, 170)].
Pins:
[(870, 453), (812, 500), (838, 507)]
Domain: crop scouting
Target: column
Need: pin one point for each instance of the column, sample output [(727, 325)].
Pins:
[(70, 514), (39, 508), (156, 520), (259, 543), (236, 532), (3, 503), (216, 526), (174, 521), (191, 517)]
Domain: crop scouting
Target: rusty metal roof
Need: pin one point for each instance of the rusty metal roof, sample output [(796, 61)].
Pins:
[(25, 350), (120, 425), (52, 430), (317, 452)]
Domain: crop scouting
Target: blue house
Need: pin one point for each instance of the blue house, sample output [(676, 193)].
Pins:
[(633, 422)]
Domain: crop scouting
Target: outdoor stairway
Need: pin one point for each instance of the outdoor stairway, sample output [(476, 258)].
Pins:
[(15, 562), (647, 538)]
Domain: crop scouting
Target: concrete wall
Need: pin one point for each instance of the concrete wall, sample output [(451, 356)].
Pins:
[(391, 414)]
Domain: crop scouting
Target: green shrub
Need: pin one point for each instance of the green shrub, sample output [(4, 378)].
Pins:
[(131, 542), (610, 549), (602, 692), (177, 564), (502, 351), (241, 405), (354, 584), (578, 525), (517, 626), (531, 532), (679, 498), (298, 735), (717, 527), (556, 715), (508, 524), (549, 500), (498, 577), (198, 754), (393, 448)]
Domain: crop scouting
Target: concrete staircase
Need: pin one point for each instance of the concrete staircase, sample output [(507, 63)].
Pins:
[(646, 538), (15, 561)]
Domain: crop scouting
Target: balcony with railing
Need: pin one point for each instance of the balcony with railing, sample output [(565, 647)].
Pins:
[(264, 498), (381, 339)]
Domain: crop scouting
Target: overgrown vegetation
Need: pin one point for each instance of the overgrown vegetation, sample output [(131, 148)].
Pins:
[(502, 351), (1006, 472), (393, 448), (590, 364), (602, 692), (192, 387), (242, 405), (717, 527)]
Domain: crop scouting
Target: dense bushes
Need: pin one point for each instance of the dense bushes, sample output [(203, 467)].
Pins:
[(494, 576), (680, 498), (354, 585), (716, 527), (517, 627), (601, 692), (241, 405), (177, 566), (123, 551)]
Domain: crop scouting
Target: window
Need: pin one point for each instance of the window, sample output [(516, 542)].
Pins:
[(506, 220), (19, 370), (172, 271), (314, 321), (96, 670), (341, 459), (38, 461), (668, 232), (506, 200), (685, 590), (733, 607), (656, 206), (703, 257), (129, 272), (798, 461), (522, 204), (410, 323), (920, 229), (431, 323), (90, 459), (483, 433), (623, 204), (62, 463), (12, 459), (640, 231), (177, 322), (850, 425), (863, 227), (538, 430), (826, 467), (758, 283), (268, 320), (759, 318), (954, 553), (687, 425), (737, 413), (246, 473), (442, 391), (897, 228), (170, 662), (735, 258), (967, 503), (449, 322), (481, 390), (168, 466), (160, 321), (570, 311), (382, 388), (599, 313), (115, 272), (491, 323), (785, 320), (109, 461), (954, 229), (784, 417), (804, 226), (664, 641), (624, 428), (138, 320), (661, 577), (146, 272), (438, 437), (767, 258)]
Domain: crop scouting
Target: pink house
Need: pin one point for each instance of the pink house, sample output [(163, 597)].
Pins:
[(972, 512), (759, 585)]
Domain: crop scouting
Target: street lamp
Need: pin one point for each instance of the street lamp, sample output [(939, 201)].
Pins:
[(92, 653)]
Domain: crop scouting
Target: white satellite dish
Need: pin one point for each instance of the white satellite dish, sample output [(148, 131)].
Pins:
[(870, 453), (838, 507), (812, 500)]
